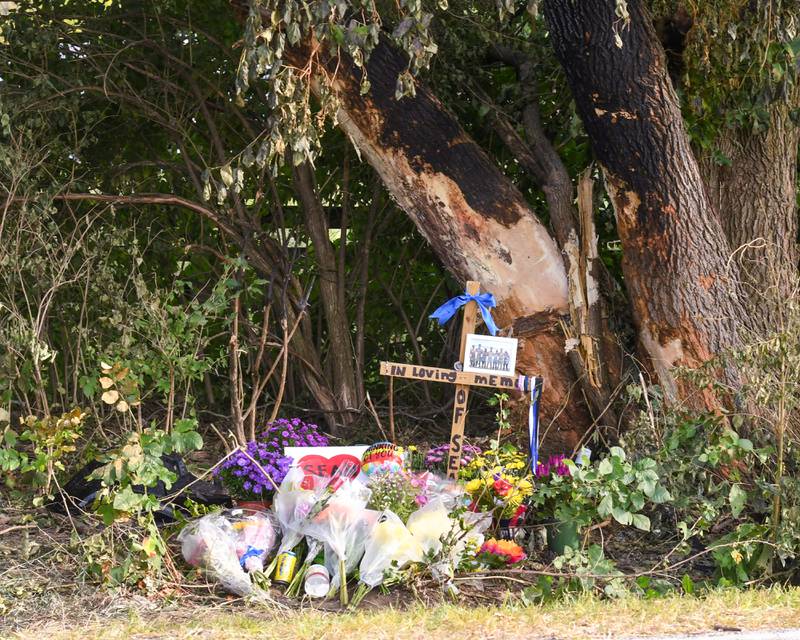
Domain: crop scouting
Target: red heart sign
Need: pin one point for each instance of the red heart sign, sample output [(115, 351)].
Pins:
[(320, 466)]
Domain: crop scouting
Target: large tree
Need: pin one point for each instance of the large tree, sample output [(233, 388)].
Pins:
[(489, 144)]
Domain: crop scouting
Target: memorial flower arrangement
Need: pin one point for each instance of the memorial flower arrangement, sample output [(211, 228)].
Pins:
[(255, 471), (499, 481), (385, 525), (500, 493), (498, 554), (292, 432), (401, 493), (556, 492)]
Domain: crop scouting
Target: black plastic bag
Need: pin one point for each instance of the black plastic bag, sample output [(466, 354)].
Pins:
[(80, 491)]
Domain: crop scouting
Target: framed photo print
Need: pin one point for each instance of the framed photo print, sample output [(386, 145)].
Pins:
[(489, 354)]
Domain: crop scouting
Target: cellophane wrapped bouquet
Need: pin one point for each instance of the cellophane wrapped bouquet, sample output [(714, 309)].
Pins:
[(294, 504), (390, 546), (230, 544), (344, 524)]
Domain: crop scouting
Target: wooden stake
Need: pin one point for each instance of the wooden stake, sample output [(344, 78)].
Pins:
[(391, 409), (462, 390)]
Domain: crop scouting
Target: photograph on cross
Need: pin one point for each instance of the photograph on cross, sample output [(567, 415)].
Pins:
[(490, 354)]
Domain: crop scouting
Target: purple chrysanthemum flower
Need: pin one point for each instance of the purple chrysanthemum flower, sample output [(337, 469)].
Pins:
[(244, 474)]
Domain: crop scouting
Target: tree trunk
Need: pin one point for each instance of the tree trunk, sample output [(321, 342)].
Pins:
[(474, 218), (682, 287), (756, 198), (340, 351)]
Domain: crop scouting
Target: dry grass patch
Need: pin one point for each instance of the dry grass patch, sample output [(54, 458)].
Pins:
[(578, 618)]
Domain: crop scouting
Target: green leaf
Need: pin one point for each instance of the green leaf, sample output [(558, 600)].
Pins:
[(660, 495), (10, 437), (605, 507), (641, 521), (107, 512), (688, 585), (738, 498), (127, 500), (622, 516), (605, 467), (617, 452)]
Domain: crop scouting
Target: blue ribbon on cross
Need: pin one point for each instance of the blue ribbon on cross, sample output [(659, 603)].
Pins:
[(485, 302)]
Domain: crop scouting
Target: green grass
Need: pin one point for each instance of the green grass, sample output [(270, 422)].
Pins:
[(579, 618)]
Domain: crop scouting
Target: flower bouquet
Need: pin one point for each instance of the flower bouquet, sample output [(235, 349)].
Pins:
[(401, 493), (390, 545), (499, 554), (294, 503), (343, 524), (252, 474), (447, 537), (436, 457), (499, 492), (429, 525)]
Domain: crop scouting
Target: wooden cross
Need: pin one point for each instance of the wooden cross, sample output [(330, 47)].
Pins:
[(462, 379)]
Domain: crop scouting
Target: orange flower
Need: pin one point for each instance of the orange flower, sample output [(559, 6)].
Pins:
[(507, 550)]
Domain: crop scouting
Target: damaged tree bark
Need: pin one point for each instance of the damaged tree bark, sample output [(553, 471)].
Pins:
[(683, 289), (588, 337)]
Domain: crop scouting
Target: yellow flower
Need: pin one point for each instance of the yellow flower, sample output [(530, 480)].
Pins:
[(514, 498), (473, 486)]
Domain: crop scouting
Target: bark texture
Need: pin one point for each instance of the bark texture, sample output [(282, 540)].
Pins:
[(683, 289), (475, 219), (340, 349), (756, 198)]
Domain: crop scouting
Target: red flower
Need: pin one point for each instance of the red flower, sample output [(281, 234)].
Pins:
[(518, 515), (502, 487)]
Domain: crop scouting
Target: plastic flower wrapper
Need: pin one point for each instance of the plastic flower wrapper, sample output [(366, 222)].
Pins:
[(447, 537), (256, 536), (354, 553), (430, 524), (294, 502), (342, 524), (210, 543), (449, 491), (390, 545)]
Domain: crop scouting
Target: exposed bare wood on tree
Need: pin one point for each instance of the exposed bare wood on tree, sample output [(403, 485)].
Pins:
[(587, 331), (683, 289)]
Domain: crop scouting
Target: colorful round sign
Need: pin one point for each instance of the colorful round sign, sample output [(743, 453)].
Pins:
[(382, 457)]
